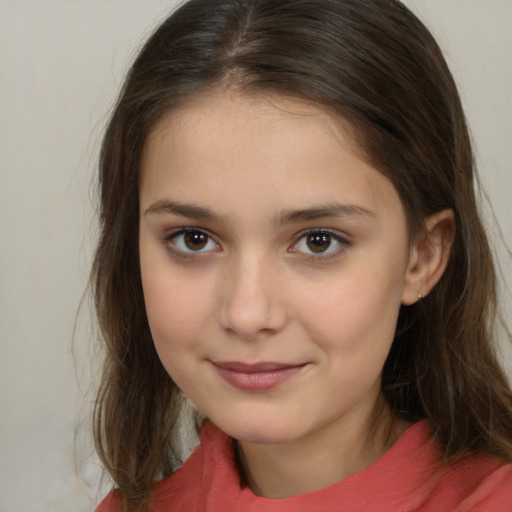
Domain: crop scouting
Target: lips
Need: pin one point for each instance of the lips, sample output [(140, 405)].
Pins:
[(257, 377)]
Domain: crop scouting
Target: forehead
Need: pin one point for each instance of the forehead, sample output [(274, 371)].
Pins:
[(214, 106), (278, 149)]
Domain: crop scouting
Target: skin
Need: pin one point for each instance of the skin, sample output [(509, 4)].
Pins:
[(241, 180)]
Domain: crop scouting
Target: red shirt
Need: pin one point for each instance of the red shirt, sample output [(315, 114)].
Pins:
[(409, 477)]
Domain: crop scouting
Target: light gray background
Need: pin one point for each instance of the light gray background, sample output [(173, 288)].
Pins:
[(61, 63)]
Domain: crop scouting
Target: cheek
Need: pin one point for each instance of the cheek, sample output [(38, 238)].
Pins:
[(355, 314), (177, 306), (176, 320), (167, 313)]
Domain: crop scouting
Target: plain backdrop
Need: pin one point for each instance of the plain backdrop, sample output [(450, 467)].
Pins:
[(61, 64)]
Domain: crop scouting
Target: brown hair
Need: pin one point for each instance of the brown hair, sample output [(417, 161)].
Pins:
[(373, 63)]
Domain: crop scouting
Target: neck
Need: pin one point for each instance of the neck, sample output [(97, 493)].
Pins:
[(338, 451)]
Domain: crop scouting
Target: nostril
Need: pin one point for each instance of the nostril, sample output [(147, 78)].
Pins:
[(250, 304), (252, 316)]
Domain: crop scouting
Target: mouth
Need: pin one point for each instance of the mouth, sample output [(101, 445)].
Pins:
[(259, 376)]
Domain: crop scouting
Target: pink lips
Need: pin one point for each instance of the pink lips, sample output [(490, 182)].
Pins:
[(256, 377)]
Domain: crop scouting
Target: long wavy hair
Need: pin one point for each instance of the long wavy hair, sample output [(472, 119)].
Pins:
[(376, 66)]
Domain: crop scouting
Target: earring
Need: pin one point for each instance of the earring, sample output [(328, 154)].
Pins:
[(419, 296)]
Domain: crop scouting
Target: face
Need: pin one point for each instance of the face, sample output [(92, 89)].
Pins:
[(274, 261)]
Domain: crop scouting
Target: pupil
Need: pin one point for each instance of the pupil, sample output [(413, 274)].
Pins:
[(319, 242), (195, 240)]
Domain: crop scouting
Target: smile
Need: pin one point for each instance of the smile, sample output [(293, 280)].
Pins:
[(257, 377)]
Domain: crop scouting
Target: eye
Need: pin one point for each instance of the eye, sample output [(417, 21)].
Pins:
[(319, 243), (192, 241)]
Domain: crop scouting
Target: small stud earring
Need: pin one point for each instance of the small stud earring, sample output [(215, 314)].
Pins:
[(419, 296)]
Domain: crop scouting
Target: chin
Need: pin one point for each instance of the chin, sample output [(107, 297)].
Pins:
[(259, 430)]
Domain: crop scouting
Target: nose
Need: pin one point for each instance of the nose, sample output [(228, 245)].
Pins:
[(252, 304)]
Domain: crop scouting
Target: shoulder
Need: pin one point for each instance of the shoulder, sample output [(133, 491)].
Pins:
[(477, 483), (212, 460), (413, 476), (109, 504), (210, 468)]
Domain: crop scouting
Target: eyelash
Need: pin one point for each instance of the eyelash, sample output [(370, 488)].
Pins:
[(173, 235), (333, 237)]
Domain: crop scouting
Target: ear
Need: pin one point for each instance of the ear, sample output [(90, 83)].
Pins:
[(429, 255)]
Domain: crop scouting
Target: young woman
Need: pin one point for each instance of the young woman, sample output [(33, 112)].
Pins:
[(290, 239)]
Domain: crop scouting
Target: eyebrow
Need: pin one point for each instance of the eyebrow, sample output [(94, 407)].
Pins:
[(323, 211), (193, 211)]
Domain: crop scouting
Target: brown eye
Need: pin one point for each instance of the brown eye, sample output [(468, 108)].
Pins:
[(192, 240), (318, 242), (195, 240)]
